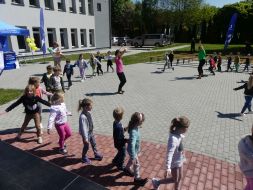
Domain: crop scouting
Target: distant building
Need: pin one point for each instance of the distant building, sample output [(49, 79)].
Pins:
[(75, 24)]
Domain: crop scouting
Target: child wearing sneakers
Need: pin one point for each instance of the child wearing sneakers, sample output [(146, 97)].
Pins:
[(119, 138), (175, 155), (30, 102), (58, 116), (86, 130), (133, 147), (46, 79)]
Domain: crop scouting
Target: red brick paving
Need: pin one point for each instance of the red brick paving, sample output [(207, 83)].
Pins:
[(200, 172)]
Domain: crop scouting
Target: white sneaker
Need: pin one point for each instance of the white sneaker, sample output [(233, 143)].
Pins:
[(69, 113), (63, 151), (242, 114), (40, 141), (155, 183), (82, 80)]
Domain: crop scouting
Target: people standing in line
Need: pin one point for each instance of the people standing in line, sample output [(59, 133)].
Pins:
[(82, 65), (120, 68), (119, 139), (68, 69), (46, 79), (56, 81), (193, 45), (219, 60), (58, 117), (109, 61), (133, 147), (30, 102), (86, 130), (202, 60), (57, 54), (247, 63), (99, 58), (175, 153), (212, 64), (248, 94), (237, 62), (229, 58), (245, 148)]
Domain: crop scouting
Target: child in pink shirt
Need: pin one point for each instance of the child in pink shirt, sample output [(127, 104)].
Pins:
[(120, 69)]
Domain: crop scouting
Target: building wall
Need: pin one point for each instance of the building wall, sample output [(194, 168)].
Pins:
[(29, 17)]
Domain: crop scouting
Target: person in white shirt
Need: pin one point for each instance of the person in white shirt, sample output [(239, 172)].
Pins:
[(58, 116), (109, 59), (57, 54), (82, 65), (175, 155)]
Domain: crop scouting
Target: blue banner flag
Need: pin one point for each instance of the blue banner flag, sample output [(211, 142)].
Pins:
[(42, 32), (230, 31)]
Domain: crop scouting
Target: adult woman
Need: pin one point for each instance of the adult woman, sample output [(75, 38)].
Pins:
[(248, 92)]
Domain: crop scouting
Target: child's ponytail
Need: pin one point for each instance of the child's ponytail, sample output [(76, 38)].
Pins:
[(179, 122), (83, 103), (80, 105)]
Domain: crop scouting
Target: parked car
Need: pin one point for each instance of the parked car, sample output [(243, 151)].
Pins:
[(121, 41), (150, 40), (115, 40)]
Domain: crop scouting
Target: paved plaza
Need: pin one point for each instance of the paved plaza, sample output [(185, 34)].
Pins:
[(210, 103)]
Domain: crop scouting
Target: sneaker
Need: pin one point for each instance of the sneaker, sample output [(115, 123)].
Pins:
[(86, 160), (242, 114), (128, 173), (140, 182), (173, 68), (163, 70), (82, 80), (63, 151), (40, 141), (98, 157), (65, 146), (198, 77), (69, 113), (155, 183), (18, 137)]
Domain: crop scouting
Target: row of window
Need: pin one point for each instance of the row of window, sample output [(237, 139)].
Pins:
[(51, 37), (61, 5)]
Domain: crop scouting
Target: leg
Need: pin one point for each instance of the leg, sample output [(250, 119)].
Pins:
[(61, 133), (176, 177), (164, 66), (246, 104), (97, 69), (85, 149), (93, 144), (67, 131), (36, 118), (121, 157), (136, 168), (249, 103), (27, 119), (122, 79)]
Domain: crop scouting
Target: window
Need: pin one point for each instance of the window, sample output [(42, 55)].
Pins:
[(61, 5), (17, 2), (64, 38), (36, 36), (74, 37), (51, 36), (21, 40), (99, 7), (49, 4), (83, 38), (82, 7), (2, 2), (91, 37), (90, 7), (72, 6), (34, 3)]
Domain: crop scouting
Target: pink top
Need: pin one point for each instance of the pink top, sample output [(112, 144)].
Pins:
[(119, 65)]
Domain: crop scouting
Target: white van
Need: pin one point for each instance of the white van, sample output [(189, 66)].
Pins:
[(150, 40)]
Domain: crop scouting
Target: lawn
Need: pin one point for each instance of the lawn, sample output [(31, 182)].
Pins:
[(9, 94), (170, 46)]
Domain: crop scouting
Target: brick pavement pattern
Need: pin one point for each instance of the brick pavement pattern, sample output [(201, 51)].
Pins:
[(200, 172)]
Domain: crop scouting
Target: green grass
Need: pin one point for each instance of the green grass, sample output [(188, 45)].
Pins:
[(170, 46), (9, 94)]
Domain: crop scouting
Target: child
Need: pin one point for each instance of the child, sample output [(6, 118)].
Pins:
[(58, 116), (229, 62), (120, 68), (30, 102), (93, 64), (245, 148), (166, 62), (212, 64), (237, 62), (175, 156), (98, 59), (247, 63), (215, 57), (109, 61), (82, 65), (56, 81), (57, 55), (219, 62), (133, 147), (68, 69), (119, 138), (171, 58), (86, 130), (46, 79)]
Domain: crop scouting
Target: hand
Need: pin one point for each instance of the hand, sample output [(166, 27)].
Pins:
[(2, 113), (167, 173), (48, 131)]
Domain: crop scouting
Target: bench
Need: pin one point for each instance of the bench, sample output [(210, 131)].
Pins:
[(186, 58)]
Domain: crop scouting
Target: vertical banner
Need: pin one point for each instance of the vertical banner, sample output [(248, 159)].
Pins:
[(42, 32), (230, 31), (1, 61)]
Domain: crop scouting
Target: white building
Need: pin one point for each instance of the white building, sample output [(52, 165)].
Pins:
[(75, 24)]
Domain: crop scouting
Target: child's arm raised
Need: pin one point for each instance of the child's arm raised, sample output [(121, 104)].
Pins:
[(15, 104)]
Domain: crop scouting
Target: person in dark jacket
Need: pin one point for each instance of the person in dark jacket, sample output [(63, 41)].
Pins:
[(248, 92), (30, 102), (119, 139), (68, 69)]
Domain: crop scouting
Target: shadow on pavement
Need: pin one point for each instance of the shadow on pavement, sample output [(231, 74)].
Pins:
[(101, 93), (229, 115)]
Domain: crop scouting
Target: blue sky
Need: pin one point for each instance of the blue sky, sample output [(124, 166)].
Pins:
[(220, 3)]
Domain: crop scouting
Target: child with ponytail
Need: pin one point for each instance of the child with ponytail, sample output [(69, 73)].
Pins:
[(175, 155)]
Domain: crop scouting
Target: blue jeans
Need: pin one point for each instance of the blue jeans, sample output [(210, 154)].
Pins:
[(247, 104), (93, 145)]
